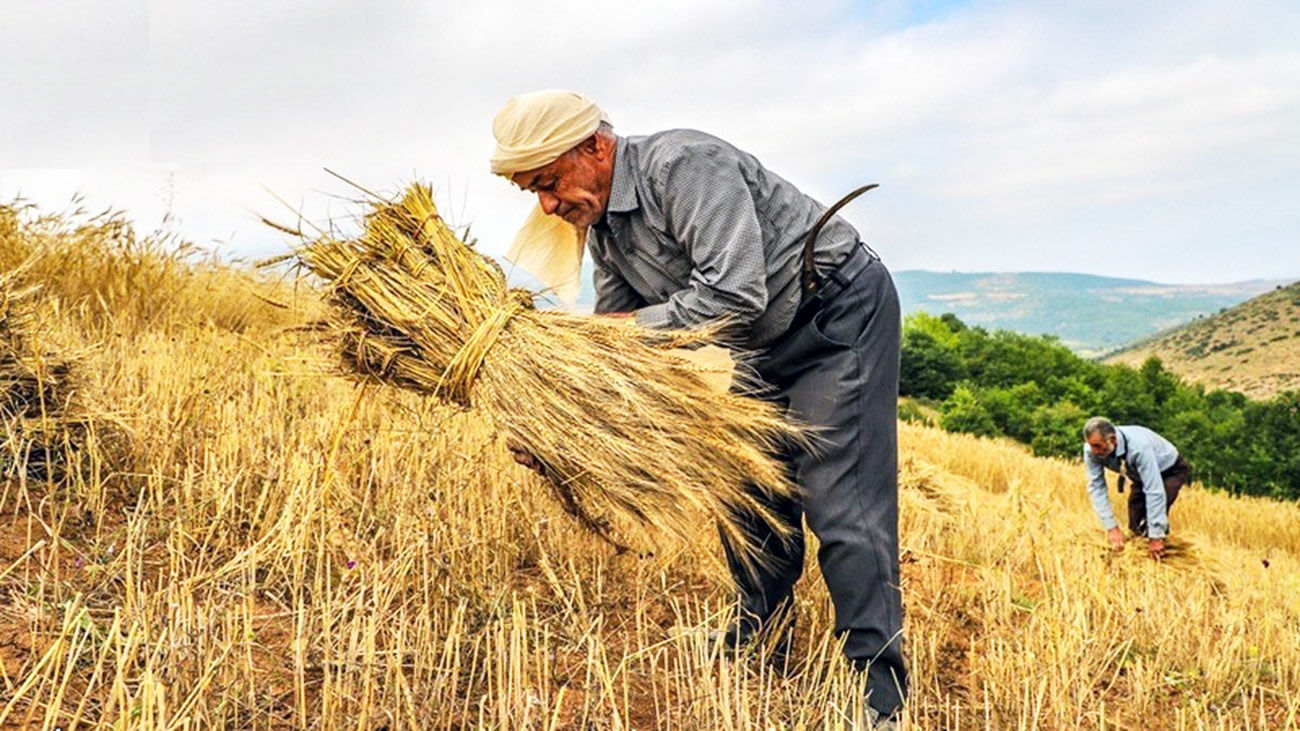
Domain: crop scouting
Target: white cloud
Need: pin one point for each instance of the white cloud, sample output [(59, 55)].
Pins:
[(1007, 135)]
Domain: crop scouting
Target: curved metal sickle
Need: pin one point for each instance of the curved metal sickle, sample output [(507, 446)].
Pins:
[(808, 278)]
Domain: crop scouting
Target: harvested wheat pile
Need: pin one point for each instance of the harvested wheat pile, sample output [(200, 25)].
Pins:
[(623, 427), (41, 424)]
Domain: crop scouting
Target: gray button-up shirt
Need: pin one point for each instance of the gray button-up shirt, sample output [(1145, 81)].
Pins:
[(1148, 454), (697, 230)]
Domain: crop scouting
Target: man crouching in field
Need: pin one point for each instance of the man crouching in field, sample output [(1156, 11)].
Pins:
[(685, 230), (1154, 465)]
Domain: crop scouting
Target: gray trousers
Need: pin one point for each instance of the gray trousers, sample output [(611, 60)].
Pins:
[(839, 374)]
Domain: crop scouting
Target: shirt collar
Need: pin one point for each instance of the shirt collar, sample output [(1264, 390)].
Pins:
[(622, 189), (1121, 444)]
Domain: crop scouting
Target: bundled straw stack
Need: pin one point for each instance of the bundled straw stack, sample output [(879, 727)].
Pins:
[(623, 426), (40, 427)]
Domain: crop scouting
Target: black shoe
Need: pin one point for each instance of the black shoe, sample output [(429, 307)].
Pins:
[(872, 720), (739, 635), (772, 640)]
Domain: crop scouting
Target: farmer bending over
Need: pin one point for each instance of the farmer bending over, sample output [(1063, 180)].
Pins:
[(1156, 468), (684, 229)]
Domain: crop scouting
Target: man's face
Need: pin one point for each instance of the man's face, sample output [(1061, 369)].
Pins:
[(574, 187), (1101, 446)]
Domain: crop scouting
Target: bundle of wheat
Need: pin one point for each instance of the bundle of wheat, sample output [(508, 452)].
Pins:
[(39, 427), (621, 424)]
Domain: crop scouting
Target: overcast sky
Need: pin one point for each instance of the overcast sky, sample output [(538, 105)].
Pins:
[(1146, 139)]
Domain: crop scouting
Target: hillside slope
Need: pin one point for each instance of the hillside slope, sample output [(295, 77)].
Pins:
[(269, 545), (1253, 347)]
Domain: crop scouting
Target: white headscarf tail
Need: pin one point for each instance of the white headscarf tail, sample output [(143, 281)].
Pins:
[(550, 249)]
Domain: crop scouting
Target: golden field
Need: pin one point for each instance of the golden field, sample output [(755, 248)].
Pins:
[(248, 540)]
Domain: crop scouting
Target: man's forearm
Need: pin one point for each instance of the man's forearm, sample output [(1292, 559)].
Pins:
[(690, 308), (1157, 512), (1101, 506)]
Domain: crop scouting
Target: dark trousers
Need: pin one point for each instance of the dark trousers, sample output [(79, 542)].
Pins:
[(1174, 478), (839, 373)]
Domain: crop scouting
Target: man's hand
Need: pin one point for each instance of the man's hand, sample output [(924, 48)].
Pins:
[(1156, 548), (1116, 538), (525, 458), (619, 315)]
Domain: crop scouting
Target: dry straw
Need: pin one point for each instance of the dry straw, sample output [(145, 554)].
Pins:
[(624, 428), (42, 423)]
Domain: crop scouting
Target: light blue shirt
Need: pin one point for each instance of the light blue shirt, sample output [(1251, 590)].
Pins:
[(1148, 454)]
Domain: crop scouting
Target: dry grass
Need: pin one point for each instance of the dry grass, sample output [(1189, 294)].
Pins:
[(289, 550)]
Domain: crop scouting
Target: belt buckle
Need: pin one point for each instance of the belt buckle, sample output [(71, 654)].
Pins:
[(859, 249)]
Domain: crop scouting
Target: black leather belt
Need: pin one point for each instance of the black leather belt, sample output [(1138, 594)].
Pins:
[(830, 287), (838, 280)]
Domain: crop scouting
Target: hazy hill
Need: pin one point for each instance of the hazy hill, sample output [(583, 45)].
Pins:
[(1090, 314), (1253, 347)]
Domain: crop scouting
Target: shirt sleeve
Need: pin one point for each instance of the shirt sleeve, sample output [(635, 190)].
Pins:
[(1153, 488), (1097, 490), (613, 293), (709, 210)]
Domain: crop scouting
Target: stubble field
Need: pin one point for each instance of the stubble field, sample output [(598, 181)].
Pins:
[(228, 533)]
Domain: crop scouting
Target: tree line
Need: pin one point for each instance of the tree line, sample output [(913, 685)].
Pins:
[(1035, 390)]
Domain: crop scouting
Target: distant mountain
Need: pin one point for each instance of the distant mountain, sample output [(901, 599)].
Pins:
[(1253, 348), (1091, 314)]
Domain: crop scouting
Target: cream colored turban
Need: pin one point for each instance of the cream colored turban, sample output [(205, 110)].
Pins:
[(533, 130)]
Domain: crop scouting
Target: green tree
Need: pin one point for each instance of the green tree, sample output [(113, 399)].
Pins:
[(1124, 399), (1012, 408), (944, 329), (1274, 465), (1160, 383), (1057, 430), (952, 322), (962, 412), (928, 368)]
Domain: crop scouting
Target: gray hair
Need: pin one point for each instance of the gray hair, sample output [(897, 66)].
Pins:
[(604, 130), (1099, 425)]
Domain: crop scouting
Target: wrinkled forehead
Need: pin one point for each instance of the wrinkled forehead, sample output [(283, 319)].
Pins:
[(530, 179)]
